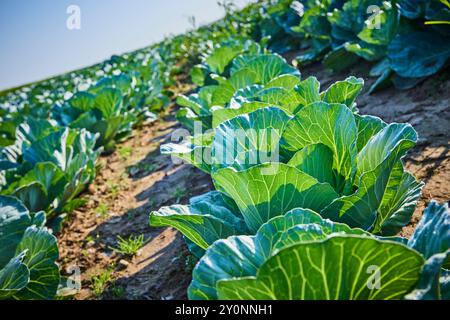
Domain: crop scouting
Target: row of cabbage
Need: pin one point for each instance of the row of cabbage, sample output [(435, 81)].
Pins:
[(61, 125), (310, 195), (53, 136), (52, 133), (50, 154), (408, 39), (143, 77)]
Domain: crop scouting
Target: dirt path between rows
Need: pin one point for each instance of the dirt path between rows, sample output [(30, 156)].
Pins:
[(137, 179), (132, 182)]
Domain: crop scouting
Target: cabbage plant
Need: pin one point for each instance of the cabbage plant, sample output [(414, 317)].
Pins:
[(409, 39), (28, 254), (103, 113), (323, 157), (301, 256), (245, 71), (48, 167), (217, 60), (286, 91)]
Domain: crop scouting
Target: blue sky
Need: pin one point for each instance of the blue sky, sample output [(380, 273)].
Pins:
[(36, 44)]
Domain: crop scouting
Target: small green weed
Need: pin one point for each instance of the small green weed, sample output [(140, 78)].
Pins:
[(102, 210), (130, 246), (99, 282), (125, 152)]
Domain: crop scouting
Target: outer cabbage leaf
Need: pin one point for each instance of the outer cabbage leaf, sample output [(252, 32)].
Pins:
[(28, 254), (195, 150), (221, 115), (418, 54), (241, 256), (315, 160), (344, 92), (326, 271), (249, 139), (399, 201), (432, 239), (268, 190), (432, 234), (434, 281), (332, 125), (39, 187), (41, 253), (376, 162), (368, 126), (206, 220), (14, 219), (13, 277)]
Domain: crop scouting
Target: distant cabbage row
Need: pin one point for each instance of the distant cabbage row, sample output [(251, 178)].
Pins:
[(49, 147), (409, 39), (405, 40)]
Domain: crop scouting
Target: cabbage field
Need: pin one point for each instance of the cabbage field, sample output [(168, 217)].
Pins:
[(293, 150)]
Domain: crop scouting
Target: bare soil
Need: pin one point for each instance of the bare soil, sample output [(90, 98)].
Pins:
[(131, 184), (127, 188)]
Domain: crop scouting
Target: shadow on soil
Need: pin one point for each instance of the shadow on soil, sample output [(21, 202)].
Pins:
[(161, 271)]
